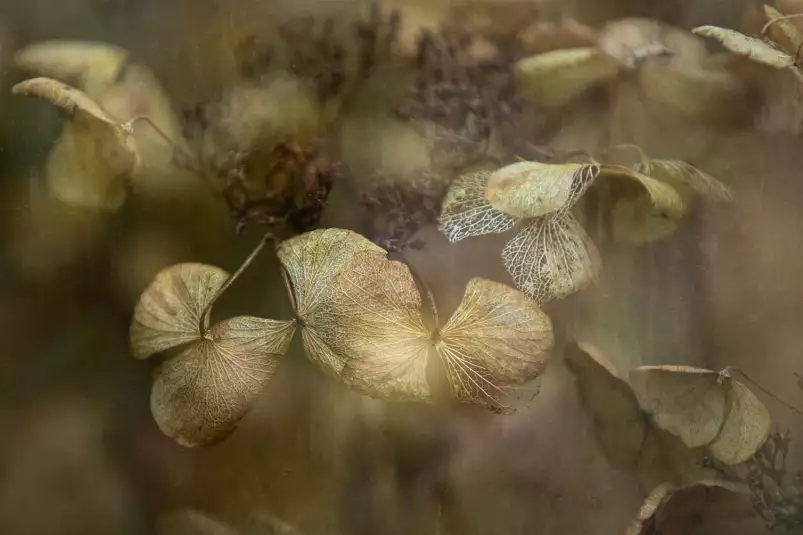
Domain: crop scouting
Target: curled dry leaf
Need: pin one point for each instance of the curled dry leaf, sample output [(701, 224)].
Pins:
[(95, 155), (783, 31), (362, 319), (685, 401), (466, 212), (750, 47), (645, 209), (628, 439), (71, 100), (533, 189), (94, 67), (703, 408), (200, 394), (619, 423), (556, 78), (552, 257), (687, 179), (126, 90), (673, 510)]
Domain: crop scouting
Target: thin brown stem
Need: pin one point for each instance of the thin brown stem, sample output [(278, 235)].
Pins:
[(769, 23), (234, 276), (645, 160), (770, 394), (162, 134), (190, 161)]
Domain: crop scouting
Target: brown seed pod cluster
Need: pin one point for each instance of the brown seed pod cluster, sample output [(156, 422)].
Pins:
[(287, 183)]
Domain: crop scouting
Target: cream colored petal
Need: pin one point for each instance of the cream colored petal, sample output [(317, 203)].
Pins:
[(554, 79), (551, 258), (467, 213), (685, 401), (497, 338), (669, 508), (169, 311), (92, 66), (753, 48), (200, 395), (87, 170), (686, 178), (783, 32), (94, 158), (370, 318), (632, 40), (313, 259), (645, 209), (746, 428), (533, 189)]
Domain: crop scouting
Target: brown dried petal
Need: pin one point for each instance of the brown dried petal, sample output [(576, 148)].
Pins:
[(685, 401), (619, 423)]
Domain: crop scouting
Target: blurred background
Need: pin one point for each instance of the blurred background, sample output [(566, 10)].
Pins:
[(79, 452)]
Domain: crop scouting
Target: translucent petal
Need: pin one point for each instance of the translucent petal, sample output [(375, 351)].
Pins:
[(552, 257), (467, 213)]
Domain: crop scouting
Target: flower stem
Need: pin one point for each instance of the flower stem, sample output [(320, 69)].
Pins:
[(233, 277)]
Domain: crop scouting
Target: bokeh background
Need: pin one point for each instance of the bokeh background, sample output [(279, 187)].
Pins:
[(79, 452)]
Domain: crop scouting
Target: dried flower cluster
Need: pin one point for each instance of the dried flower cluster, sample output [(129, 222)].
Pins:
[(464, 95), (395, 208), (286, 184), (777, 495), (322, 52)]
